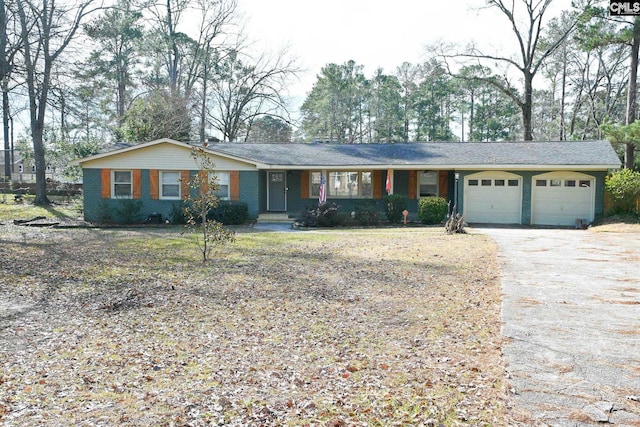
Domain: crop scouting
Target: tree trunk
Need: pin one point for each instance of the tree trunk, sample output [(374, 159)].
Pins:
[(563, 95), (527, 107), (8, 164), (4, 74), (629, 149), (173, 55), (203, 105)]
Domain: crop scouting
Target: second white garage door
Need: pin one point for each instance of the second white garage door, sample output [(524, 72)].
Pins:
[(493, 197), (561, 198)]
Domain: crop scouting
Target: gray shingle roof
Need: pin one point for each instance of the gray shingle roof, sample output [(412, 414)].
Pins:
[(563, 153)]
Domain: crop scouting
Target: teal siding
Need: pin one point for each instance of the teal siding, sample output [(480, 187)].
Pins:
[(91, 194), (527, 188), (97, 209), (600, 190), (253, 191), (250, 191)]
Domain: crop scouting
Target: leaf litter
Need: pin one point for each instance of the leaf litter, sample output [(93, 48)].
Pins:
[(338, 328)]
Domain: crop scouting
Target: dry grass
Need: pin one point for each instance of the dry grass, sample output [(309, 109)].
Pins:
[(367, 327)]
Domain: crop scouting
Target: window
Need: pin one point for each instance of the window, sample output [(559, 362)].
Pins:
[(170, 185), (486, 182), (541, 182), (570, 183), (473, 182), (316, 176), (555, 182), (20, 168), (367, 184), (499, 182), (512, 183), (222, 179), (350, 184), (585, 183), (122, 187), (428, 183)]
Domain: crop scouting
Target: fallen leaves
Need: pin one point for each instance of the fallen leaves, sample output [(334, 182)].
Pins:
[(336, 328)]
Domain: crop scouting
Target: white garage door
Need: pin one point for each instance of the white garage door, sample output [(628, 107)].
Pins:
[(562, 198), (493, 197)]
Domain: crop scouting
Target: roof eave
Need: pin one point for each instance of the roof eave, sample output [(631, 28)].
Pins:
[(424, 166), (79, 162)]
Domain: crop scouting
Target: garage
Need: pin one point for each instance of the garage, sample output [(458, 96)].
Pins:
[(562, 198), (493, 197)]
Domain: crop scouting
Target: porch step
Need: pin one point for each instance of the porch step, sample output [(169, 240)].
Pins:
[(274, 217)]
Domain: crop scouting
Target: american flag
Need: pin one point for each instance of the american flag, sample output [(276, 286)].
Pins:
[(388, 183), (322, 196)]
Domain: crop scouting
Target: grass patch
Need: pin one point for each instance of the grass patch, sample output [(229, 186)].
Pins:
[(63, 208), (338, 327)]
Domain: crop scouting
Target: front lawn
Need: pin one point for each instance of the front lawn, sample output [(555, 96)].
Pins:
[(331, 328)]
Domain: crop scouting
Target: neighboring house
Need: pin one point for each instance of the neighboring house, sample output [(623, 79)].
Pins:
[(23, 170), (544, 183), (15, 169)]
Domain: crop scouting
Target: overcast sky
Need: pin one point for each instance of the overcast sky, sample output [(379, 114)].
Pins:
[(374, 33)]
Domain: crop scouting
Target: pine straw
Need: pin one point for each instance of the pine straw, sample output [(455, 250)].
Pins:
[(331, 328)]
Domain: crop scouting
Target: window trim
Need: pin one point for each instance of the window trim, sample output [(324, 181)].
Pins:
[(313, 185), (161, 195), (331, 190), (437, 182), (114, 183), (221, 183)]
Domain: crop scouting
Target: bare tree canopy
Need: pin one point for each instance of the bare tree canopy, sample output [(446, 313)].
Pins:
[(527, 20), (47, 29)]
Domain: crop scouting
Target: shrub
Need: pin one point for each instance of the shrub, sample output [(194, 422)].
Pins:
[(432, 210), (325, 215), (230, 212), (129, 211), (104, 213), (367, 213), (395, 204), (177, 213), (624, 187), (226, 212)]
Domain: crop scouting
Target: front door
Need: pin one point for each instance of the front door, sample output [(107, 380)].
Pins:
[(277, 189)]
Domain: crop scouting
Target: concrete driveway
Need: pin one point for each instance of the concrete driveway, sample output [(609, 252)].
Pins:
[(571, 325)]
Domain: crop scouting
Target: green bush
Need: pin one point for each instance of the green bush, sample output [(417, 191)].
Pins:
[(129, 211), (432, 210), (395, 204), (367, 213), (230, 212), (624, 188), (177, 213), (226, 212), (104, 213), (325, 215)]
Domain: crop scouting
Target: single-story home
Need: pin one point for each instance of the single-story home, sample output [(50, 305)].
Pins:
[(538, 183)]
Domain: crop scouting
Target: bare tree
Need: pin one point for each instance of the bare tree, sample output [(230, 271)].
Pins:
[(244, 90), (47, 30), (526, 18), (215, 16)]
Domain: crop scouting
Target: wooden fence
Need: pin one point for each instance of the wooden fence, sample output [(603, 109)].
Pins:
[(609, 203)]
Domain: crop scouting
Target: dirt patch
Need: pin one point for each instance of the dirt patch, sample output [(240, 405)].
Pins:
[(616, 227)]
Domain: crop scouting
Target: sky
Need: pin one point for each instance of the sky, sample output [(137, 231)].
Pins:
[(374, 33)]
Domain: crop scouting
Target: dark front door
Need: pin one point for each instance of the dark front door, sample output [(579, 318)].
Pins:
[(277, 191)]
